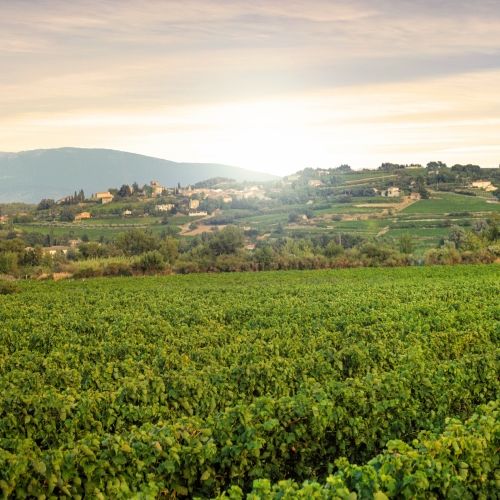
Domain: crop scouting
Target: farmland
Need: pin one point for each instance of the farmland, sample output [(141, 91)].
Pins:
[(442, 203), (203, 384)]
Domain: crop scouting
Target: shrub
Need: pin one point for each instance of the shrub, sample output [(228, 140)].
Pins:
[(8, 288), (231, 263), (88, 272), (8, 263), (117, 269), (150, 262), (186, 267)]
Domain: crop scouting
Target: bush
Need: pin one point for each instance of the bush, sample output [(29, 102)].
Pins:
[(150, 262), (186, 267), (8, 263), (88, 272), (8, 288), (446, 255), (117, 269), (231, 263)]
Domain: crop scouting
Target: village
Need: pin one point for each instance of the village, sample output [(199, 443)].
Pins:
[(362, 204), (167, 200)]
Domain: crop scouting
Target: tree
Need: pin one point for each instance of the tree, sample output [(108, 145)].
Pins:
[(264, 257), (45, 204), (8, 262), (151, 262), (170, 249), (91, 250), (343, 169), (436, 165), (406, 243), (125, 191), (67, 215), (32, 257), (333, 249), (457, 236), (137, 241), (227, 241)]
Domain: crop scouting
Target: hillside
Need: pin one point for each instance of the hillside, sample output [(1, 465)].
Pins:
[(52, 173)]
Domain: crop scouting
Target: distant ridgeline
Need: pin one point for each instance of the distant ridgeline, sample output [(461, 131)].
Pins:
[(53, 173)]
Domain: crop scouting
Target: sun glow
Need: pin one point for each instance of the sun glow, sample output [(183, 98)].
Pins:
[(362, 126)]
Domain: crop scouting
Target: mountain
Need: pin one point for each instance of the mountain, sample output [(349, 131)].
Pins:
[(29, 176)]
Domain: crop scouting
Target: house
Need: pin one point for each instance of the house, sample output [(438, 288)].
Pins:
[(54, 250), (253, 192), (415, 196), (3, 219), (83, 216), (166, 207), (194, 204), (392, 192), (156, 188), (198, 214), (74, 243), (126, 213), (314, 183), (62, 201), (104, 197), (227, 199), (485, 185), (322, 172)]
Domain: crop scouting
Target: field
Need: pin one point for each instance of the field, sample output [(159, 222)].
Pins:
[(195, 385), (442, 203)]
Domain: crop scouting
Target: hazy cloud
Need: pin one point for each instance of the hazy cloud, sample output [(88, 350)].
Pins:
[(143, 58)]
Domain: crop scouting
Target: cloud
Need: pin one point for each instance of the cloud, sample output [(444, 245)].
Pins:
[(143, 58)]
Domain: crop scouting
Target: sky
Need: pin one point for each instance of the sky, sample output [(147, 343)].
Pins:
[(271, 85)]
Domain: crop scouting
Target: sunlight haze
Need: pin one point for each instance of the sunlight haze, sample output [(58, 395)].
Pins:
[(273, 86)]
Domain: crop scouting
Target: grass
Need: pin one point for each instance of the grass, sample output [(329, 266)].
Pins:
[(443, 203), (96, 232)]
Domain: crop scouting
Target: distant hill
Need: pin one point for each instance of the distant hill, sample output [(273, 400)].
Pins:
[(29, 176)]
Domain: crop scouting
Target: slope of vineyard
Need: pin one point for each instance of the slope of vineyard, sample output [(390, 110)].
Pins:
[(207, 385)]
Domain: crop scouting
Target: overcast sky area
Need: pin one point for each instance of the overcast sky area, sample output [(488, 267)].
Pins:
[(270, 85)]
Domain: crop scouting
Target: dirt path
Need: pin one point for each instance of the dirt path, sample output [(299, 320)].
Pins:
[(202, 228), (383, 231), (365, 179)]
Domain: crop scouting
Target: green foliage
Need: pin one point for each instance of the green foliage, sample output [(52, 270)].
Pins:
[(150, 262), (227, 241), (462, 462), (67, 215), (196, 385), (117, 269), (8, 263), (406, 243), (46, 204), (137, 241), (8, 287)]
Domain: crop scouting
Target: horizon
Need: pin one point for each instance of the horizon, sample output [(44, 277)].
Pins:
[(267, 87)]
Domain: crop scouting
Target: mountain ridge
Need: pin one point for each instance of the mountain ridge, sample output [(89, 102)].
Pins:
[(30, 175)]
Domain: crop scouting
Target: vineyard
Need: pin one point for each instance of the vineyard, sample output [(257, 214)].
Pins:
[(360, 383)]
